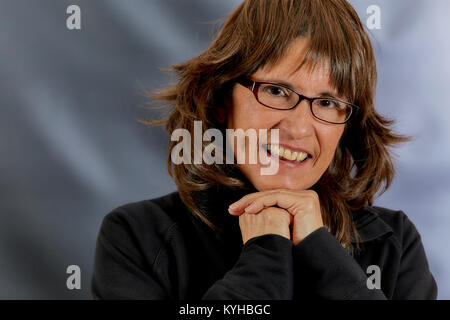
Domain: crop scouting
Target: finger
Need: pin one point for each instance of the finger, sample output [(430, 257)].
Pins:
[(283, 200), (238, 207)]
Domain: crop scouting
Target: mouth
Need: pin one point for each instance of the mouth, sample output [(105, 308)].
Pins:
[(287, 155)]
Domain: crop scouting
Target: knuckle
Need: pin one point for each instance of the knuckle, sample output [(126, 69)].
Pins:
[(268, 214), (273, 215), (313, 194), (274, 192), (268, 211)]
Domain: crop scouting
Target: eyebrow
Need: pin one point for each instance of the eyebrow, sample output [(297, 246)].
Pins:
[(290, 86)]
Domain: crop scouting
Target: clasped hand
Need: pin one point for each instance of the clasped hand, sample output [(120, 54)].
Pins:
[(291, 214)]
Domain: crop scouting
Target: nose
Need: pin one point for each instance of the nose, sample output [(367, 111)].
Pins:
[(299, 121)]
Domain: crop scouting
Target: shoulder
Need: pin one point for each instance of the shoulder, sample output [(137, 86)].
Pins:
[(398, 250), (398, 220), (145, 224), (379, 222), (158, 212)]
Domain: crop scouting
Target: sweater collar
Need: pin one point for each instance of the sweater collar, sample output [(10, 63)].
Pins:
[(216, 200), (369, 224)]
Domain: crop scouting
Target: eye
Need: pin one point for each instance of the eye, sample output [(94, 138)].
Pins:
[(275, 91), (326, 103), (330, 104)]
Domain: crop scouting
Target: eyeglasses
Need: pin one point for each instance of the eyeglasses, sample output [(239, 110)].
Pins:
[(280, 97)]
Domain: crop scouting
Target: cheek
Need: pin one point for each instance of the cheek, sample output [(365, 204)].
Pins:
[(329, 139), (245, 112)]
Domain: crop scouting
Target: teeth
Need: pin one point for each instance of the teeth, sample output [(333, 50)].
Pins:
[(302, 156), (286, 153)]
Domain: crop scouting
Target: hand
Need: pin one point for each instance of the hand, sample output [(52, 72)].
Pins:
[(267, 221), (303, 206)]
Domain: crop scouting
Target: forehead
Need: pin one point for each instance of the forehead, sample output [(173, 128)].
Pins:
[(292, 67)]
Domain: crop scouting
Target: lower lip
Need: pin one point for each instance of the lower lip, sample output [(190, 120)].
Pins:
[(289, 163)]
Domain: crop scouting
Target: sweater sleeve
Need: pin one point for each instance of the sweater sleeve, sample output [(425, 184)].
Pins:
[(263, 271), (322, 263)]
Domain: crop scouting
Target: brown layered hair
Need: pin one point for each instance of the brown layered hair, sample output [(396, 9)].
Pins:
[(257, 34)]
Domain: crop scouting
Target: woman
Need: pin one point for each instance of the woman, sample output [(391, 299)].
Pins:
[(305, 68)]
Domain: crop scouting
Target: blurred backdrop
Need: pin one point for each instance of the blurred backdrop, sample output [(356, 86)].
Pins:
[(71, 149)]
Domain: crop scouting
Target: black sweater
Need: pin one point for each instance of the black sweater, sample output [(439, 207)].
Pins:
[(158, 249)]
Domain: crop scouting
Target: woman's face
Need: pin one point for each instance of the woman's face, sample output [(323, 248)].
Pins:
[(298, 128)]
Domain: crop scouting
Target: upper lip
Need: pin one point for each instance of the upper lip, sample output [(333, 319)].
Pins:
[(293, 148)]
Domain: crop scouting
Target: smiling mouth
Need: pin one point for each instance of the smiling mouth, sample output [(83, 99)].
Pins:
[(287, 154)]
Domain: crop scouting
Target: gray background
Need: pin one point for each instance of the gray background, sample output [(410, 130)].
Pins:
[(71, 149)]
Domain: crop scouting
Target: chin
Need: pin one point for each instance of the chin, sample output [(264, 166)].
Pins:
[(284, 179), (264, 183)]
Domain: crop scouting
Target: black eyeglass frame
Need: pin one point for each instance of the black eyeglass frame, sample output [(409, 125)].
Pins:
[(253, 86)]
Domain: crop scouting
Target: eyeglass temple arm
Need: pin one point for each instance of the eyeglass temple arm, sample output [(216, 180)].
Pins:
[(246, 82)]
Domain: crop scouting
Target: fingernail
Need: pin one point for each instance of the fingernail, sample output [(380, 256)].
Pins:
[(233, 206)]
